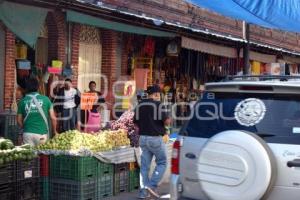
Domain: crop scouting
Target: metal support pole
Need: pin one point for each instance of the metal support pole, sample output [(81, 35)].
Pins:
[(246, 49)]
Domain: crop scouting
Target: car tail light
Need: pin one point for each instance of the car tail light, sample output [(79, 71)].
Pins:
[(175, 158)]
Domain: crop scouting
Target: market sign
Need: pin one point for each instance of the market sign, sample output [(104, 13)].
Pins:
[(88, 100)]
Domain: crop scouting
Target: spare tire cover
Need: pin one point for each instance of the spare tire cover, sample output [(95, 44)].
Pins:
[(235, 165)]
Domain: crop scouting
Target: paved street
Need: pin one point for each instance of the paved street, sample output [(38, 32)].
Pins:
[(164, 190)]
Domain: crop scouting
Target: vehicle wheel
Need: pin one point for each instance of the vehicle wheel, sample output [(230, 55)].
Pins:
[(235, 165)]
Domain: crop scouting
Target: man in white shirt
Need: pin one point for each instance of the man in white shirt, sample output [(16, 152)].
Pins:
[(71, 100)]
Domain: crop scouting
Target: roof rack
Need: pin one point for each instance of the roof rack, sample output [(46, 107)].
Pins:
[(260, 78)]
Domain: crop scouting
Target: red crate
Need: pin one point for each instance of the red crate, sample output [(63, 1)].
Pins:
[(44, 165)]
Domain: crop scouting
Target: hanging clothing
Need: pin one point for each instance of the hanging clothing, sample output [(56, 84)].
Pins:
[(141, 77)]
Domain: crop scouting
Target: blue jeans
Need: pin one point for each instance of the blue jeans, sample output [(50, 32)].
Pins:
[(152, 146), (69, 121)]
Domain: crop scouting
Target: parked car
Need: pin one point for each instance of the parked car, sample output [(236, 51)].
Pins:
[(242, 143)]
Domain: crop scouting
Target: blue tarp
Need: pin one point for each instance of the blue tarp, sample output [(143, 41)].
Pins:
[(279, 14)]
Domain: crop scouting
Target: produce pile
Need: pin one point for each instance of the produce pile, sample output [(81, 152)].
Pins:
[(75, 141), (9, 152), (126, 122)]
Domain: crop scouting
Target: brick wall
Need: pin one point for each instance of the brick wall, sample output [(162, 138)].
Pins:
[(75, 51), (178, 11), (277, 38), (109, 55), (125, 51), (192, 16), (56, 36), (9, 74)]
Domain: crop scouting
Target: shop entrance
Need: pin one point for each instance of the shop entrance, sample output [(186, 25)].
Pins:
[(90, 53)]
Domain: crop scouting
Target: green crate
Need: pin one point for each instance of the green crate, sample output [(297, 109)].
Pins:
[(73, 167), (134, 180), (105, 169), (105, 186), (64, 189), (44, 188), (121, 178)]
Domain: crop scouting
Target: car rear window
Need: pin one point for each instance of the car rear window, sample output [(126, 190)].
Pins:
[(268, 115)]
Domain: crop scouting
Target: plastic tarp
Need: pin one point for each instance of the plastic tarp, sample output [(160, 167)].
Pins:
[(73, 16), (24, 21), (279, 14)]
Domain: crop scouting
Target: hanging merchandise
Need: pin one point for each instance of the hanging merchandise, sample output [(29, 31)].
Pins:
[(141, 76), (57, 63), (53, 70), (255, 67), (173, 48), (146, 64), (195, 84), (23, 64), (287, 69), (293, 69), (129, 64), (149, 47), (67, 71), (23, 73), (46, 77), (273, 68), (21, 51)]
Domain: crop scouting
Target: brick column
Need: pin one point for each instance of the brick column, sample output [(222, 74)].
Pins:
[(109, 58), (75, 52), (9, 71), (57, 39), (125, 51)]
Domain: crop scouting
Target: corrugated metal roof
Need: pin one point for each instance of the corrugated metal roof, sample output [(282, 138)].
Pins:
[(196, 30)]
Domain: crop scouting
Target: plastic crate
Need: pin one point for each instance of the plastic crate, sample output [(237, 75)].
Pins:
[(44, 181), (6, 192), (105, 168), (28, 189), (44, 165), (7, 173), (27, 169), (9, 127), (121, 178), (73, 167), (134, 180), (64, 189), (105, 186)]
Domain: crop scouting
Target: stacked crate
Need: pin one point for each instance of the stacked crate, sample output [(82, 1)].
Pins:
[(8, 126), (121, 178), (7, 177), (27, 180), (134, 176), (105, 180), (44, 176), (79, 178)]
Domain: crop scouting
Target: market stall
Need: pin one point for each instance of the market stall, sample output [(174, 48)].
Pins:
[(78, 165)]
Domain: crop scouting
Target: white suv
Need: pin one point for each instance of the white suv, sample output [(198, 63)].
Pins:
[(241, 143)]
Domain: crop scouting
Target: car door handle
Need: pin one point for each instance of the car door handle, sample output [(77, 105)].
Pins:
[(190, 155), (294, 163)]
